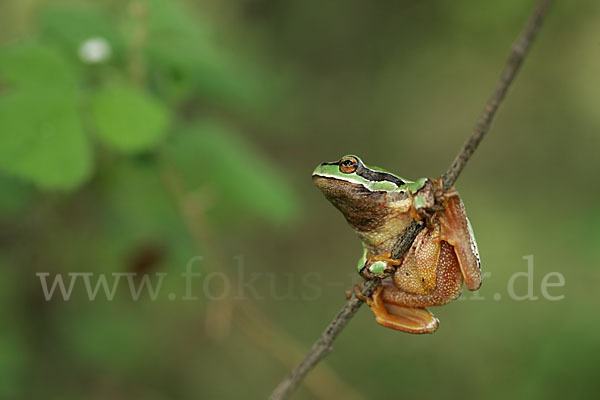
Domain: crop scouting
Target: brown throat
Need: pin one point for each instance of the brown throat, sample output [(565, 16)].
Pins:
[(364, 210)]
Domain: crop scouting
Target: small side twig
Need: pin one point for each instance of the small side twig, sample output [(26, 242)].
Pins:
[(323, 345)]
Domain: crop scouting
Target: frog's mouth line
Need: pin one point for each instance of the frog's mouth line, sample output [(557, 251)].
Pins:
[(348, 180), (357, 180), (335, 188)]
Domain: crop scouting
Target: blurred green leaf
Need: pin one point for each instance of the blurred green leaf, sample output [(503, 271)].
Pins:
[(212, 157), (70, 26), (176, 40), (42, 140), (34, 66), (188, 54), (128, 119), (41, 133)]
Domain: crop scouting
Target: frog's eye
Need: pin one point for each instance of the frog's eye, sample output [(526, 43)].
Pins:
[(348, 165)]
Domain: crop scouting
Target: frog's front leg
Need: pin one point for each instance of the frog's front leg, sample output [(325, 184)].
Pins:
[(406, 319), (377, 266)]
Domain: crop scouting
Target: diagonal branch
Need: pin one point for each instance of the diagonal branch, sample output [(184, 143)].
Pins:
[(517, 54), (324, 344)]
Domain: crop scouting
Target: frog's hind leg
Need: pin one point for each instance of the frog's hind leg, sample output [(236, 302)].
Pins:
[(406, 319), (456, 230)]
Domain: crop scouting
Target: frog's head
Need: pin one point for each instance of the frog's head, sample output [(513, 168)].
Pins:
[(356, 189)]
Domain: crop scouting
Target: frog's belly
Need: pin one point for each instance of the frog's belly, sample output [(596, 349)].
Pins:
[(384, 238)]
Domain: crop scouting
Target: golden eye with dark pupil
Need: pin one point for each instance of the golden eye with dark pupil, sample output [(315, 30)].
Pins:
[(348, 165)]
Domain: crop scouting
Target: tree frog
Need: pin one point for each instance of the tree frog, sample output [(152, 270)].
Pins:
[(379, 206)]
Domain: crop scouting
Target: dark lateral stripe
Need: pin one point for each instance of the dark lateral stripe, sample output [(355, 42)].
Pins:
[(378, 176), (371, 175)]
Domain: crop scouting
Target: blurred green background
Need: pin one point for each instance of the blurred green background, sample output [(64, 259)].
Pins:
[(137, 135)]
